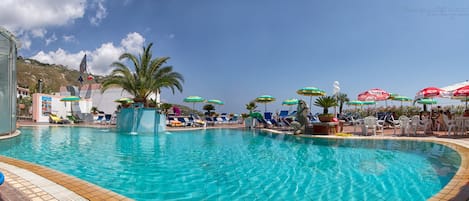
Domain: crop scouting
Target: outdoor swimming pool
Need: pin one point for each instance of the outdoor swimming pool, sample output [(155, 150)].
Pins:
[(221, 164)]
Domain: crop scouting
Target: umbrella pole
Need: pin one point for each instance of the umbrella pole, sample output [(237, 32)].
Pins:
[(466, 103), (265, 108)]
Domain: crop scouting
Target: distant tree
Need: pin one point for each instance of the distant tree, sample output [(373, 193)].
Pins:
[(165, 107), (342, 99), (147, 75), (209, 108), (251, 106)]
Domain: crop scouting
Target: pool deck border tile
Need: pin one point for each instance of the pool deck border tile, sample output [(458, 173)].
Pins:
[(46, 179)]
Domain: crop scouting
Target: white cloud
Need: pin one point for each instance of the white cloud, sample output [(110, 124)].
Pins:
[(60, 56), (38, 14), (39, 32), (69, 38), (51, 39), (32, 18), (98, 60), (25, 41), (103, 57), (101, 12), (133, 43)]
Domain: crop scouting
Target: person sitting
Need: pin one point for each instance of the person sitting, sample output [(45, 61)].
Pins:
[(449, 115), (440, 123), (466, 113)]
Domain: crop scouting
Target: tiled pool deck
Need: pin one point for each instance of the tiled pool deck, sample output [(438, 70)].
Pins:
[(28, 181)]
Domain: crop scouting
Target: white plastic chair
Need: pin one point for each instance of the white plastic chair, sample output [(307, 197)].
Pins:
[(356, 123), (371, 122), (416, 123), (404, 124), (450, 124)]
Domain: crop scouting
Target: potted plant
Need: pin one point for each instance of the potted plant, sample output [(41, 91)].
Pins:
[(209, 108), (248, 121), (94, 110), (325, 102)]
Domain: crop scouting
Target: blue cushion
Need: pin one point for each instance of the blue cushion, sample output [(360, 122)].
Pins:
[(2, 178)]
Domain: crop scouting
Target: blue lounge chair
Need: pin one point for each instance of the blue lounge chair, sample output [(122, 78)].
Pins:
[(99, 119), (107, 119), (283, 114)]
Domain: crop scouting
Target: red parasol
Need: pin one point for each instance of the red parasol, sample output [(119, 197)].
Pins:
[(374, 95), (462, 92), (429, 92)]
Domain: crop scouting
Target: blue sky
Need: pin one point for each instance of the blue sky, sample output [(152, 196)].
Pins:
[(237, 50)]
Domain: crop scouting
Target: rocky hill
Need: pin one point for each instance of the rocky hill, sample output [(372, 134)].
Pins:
[(29, 71)]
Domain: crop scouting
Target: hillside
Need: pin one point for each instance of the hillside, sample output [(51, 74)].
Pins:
[(29, 71)]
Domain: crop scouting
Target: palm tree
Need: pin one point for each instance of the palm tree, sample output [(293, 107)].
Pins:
[(209, 107), (149, 76), (325, 102), (342, 99), (251, 106), (165, 107)]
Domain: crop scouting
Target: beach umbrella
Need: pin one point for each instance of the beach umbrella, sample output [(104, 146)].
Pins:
[(426, 101), (124, 100), (462, 92), (374, 94), (429, 92), (311, 91), (355, 103), (369, 102), (402, 99), (215, 101), (265, 99), (193, 100), (70, 99), (290, 102)]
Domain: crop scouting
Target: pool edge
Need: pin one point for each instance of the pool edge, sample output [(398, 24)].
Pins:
[(82, 188)]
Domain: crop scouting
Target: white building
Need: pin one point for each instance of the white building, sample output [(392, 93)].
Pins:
[(104, 102)]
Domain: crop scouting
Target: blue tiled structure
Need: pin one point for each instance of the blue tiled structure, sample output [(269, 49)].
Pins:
[(140, 120)]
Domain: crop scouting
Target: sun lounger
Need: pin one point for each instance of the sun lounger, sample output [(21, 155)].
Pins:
[(173, 122), (74, 119), (57, 120), (99, 119), (107, 119)]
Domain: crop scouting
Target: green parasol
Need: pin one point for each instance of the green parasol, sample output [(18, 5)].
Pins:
[(70, 99), (402, 99), (193, 100), (311, 91), (215, 101), (265, 99), (426, 101), (124, 100)]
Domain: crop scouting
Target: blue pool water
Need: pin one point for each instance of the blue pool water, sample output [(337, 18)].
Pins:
[(239, 165)]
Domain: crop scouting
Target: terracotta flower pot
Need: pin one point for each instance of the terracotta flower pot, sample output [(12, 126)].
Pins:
[(326, 118)]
